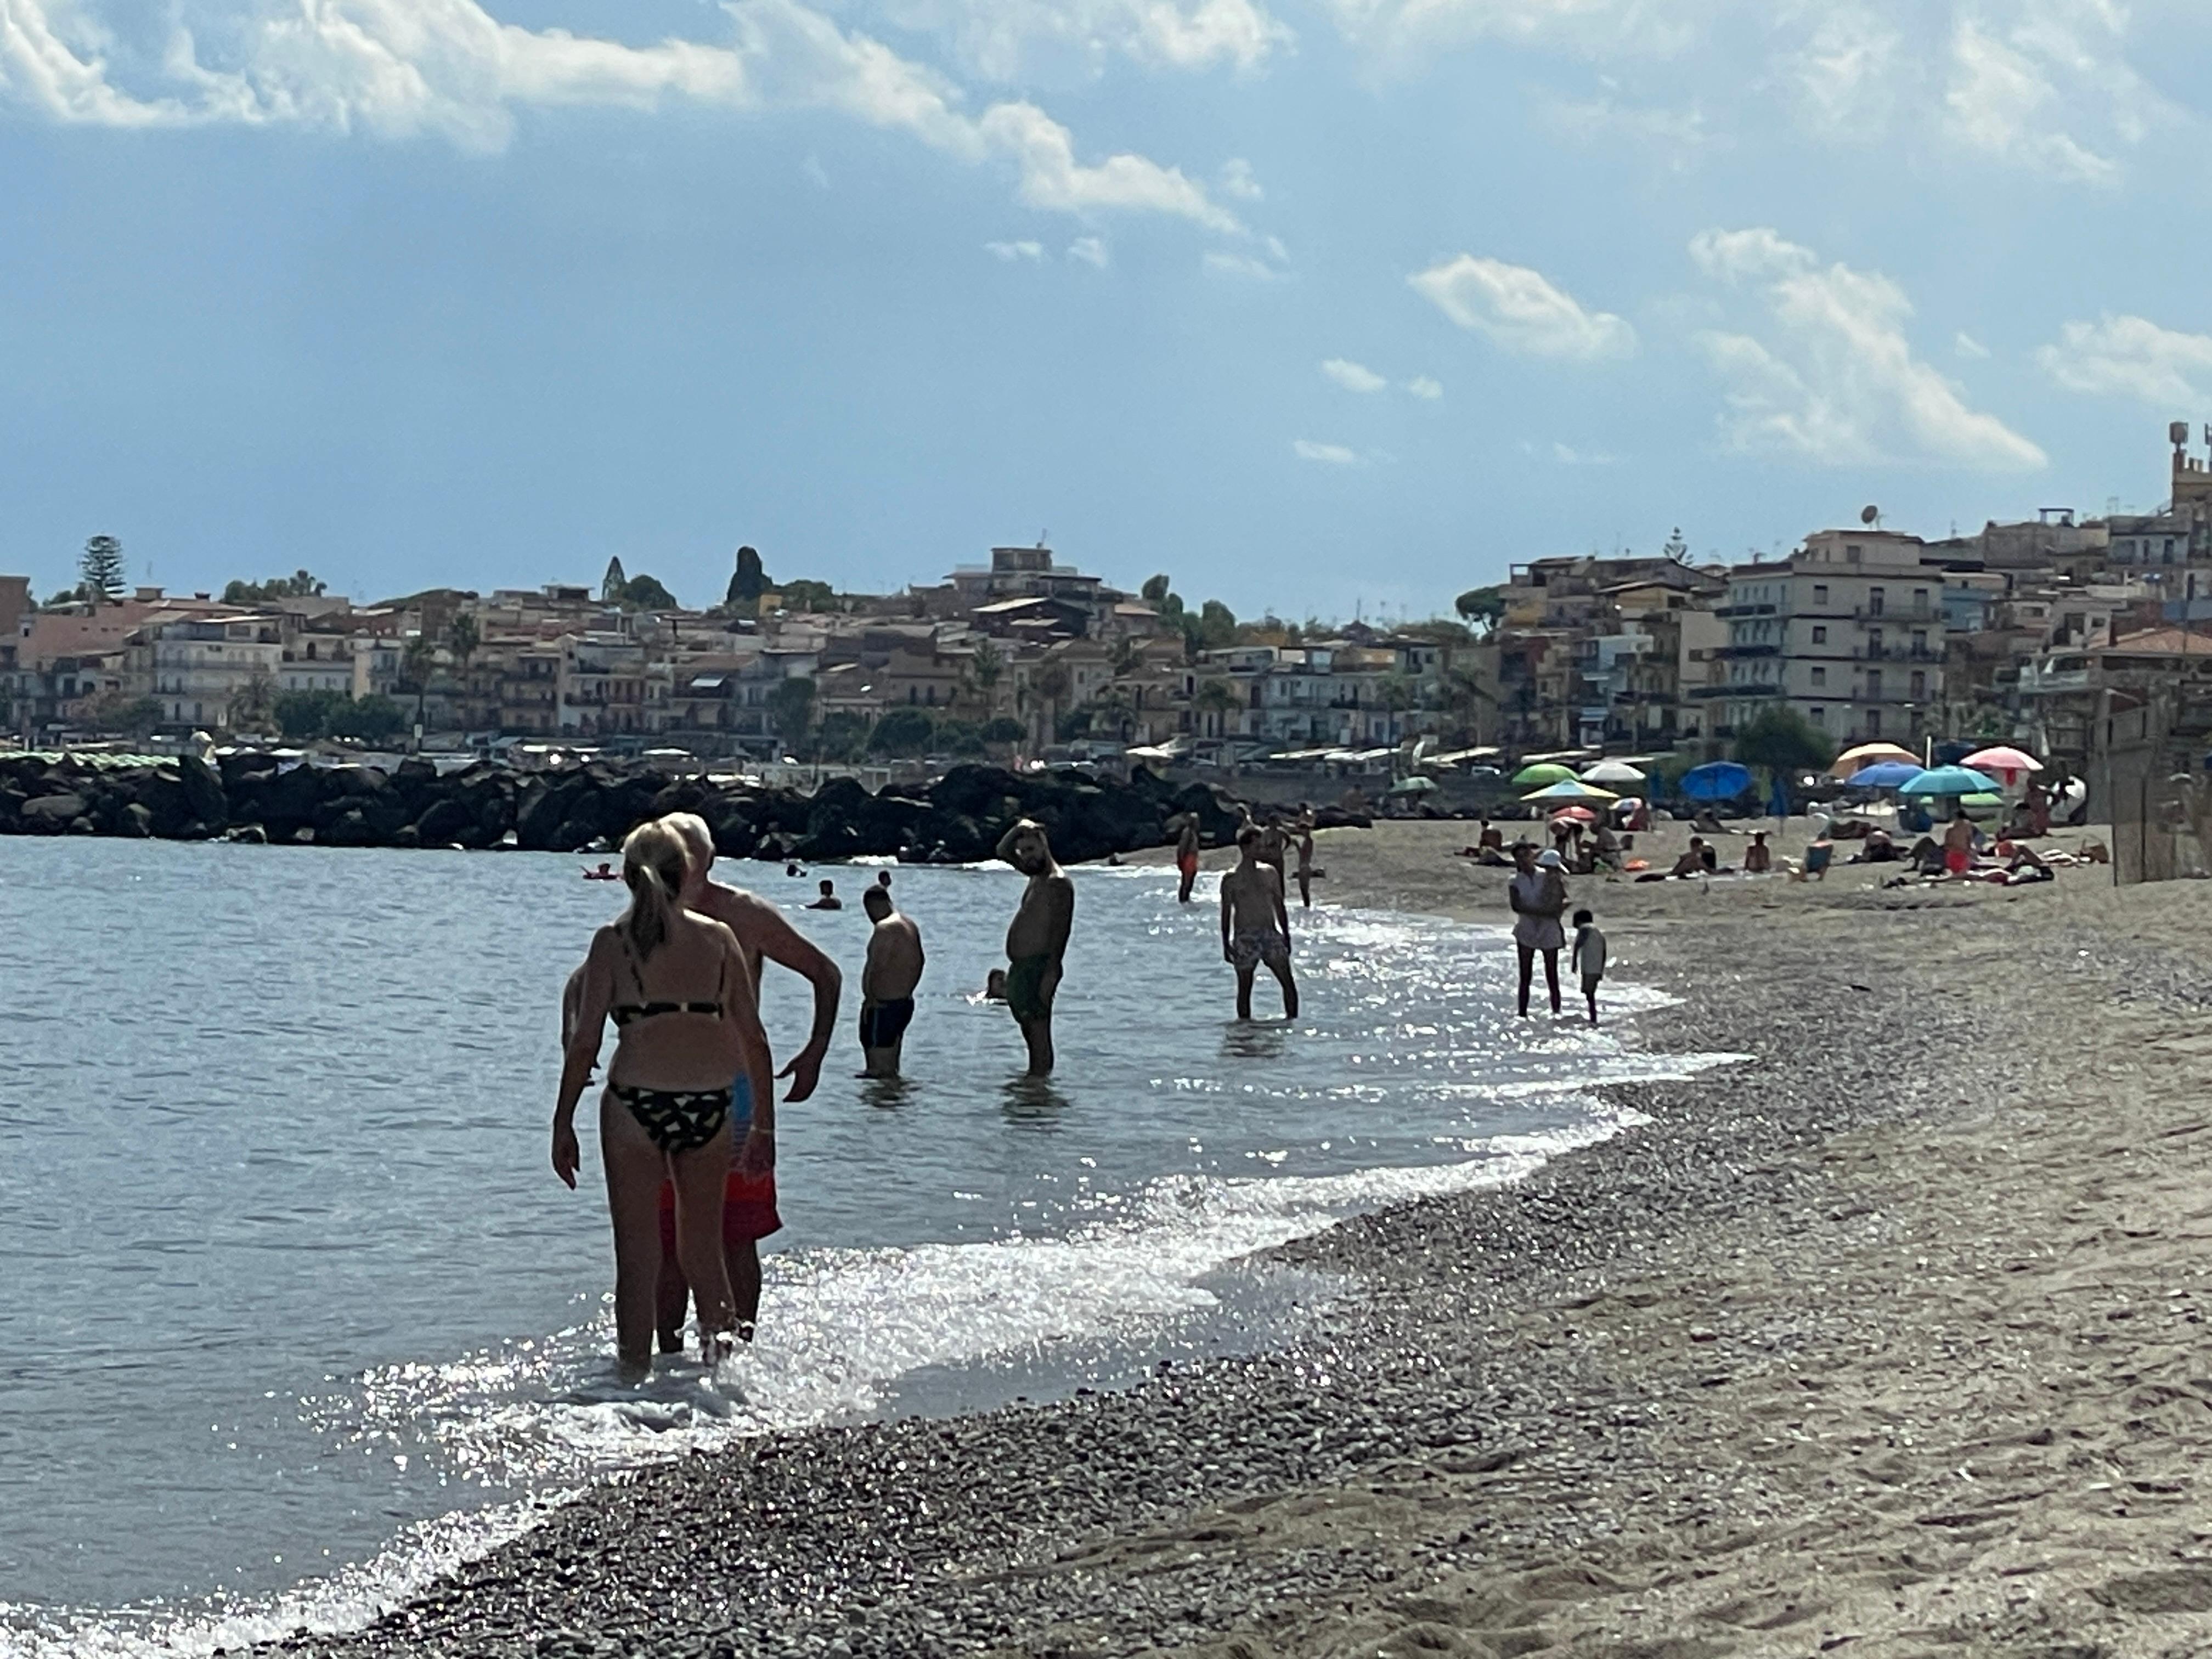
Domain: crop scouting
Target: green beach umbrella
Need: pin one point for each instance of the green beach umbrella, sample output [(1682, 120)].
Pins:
[(1544, 772), (1569, 789)]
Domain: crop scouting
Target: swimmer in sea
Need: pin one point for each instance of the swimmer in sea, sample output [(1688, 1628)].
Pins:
[(680, 993), (1254, 926), (1186, 856), (1037, 939), (748, 1211), (829, 901), (994, 985), (888, 978), (605, 872)]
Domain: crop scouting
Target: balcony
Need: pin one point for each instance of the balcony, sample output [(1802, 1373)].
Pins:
[(1747, 650), (1759, 690), (1898, 653), (1743, 611)]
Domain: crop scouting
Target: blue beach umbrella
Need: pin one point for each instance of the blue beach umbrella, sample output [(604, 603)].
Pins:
[(1949, 780), (1884, 775), (1718, 781)]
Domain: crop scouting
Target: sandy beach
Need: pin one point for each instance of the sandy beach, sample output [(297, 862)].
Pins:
[(1882, 1342)]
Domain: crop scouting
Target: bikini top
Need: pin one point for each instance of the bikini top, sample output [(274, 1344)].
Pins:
[(622, 1013)]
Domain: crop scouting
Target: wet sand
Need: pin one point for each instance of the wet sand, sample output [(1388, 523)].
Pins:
[(1886, 1342)]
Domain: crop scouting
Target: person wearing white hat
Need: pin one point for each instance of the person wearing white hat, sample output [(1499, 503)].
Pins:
[(1537, 893)]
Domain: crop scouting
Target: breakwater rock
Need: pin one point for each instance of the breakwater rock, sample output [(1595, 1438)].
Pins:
[(250, 797)]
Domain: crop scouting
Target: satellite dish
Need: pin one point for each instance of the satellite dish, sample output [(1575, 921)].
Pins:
[(1870, 514)]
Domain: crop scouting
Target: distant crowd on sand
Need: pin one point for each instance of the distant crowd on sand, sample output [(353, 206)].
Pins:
[(688, 1118)]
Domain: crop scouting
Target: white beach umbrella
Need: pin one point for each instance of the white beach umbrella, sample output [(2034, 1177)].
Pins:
[(1612, 771)]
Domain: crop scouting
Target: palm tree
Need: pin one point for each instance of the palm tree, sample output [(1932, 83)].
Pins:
[(1051, 683), (1215, 697), (414, 662)]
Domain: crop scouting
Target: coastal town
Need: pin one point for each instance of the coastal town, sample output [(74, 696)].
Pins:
[(2021, 631)]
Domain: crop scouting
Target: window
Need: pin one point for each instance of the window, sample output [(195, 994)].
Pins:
[(1874, 597), (1819, 675), (1873, 684), (1820, 634), (1919, 642), (1819, 715), (1920, 599), (1874, 723), (1852, 555), (1874, 642), (1820, 593), (1919, 685)]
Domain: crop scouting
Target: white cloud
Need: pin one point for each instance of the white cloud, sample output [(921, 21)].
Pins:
[(1968, 347), (1675, 138), (1407, 33), (1522, 310), (398, 69), (1843, 78), (1327, 454), (1023, 40), (1222, 263), (1010, 252), (1567, 455), (1237, 179), (2002, 101), (1422, 386), (1352, 377), (1090, 250), (1835, 379), (2133, 357)]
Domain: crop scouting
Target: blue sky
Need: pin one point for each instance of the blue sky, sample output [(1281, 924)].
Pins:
[(1315, 304)]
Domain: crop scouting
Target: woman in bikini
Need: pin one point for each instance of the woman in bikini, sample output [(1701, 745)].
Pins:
[(677, 989)]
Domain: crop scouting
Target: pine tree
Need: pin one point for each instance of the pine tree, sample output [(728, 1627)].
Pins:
[(611, 587), (101, 566)]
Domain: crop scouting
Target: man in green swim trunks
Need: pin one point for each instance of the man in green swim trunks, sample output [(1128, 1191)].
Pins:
[(1036, 941)]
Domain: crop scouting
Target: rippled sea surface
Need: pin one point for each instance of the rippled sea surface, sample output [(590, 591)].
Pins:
[(288, 1292)]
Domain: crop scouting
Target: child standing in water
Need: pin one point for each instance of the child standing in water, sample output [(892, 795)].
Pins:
[(1588, 958)]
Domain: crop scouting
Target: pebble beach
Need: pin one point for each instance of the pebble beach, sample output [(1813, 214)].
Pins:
[(1884, 1341)]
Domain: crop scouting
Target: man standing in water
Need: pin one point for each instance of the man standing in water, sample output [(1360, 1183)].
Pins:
[(1186, 855), (888, 977), (1036, 941), (1303, 832), (749, 1211), (1254, 926)]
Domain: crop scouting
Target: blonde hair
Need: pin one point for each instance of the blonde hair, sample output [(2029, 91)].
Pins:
[(697, 837), (654, 863)]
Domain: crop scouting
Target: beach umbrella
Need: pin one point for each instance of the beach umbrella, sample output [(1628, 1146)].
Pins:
[(1415, 784), (1612, 771), (1568, 789), (1544, 772), (1578, 814), (1871, 754), (1948, 781), (1716, 780), (1983, 802), (1885, 774), (2012, 765)]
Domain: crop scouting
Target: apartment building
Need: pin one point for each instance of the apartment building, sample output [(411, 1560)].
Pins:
[(205, 673), (1849, 631)]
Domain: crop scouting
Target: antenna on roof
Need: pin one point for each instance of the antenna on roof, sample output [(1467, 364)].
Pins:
[(1870, 515), (1042, 534)]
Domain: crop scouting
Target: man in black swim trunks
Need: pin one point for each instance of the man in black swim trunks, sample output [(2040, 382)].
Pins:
[(888, 978)]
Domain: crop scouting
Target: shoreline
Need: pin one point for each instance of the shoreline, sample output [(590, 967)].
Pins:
[(1544, 1414)]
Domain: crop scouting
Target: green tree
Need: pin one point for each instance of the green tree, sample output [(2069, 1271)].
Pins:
[(1051, 685), (1002, 730), (300, 585), (841, 736), (960, 738), (791, 706), (134, 716), (464, 636), (1215, 697), (643, 592), (100, 565), (372, 719), (1484, 608), (1783, 740), (989, 666), (748, 584), (254, 709), (613, 585), (903, 732), (1155, 590), (808, 594), (303, 716)]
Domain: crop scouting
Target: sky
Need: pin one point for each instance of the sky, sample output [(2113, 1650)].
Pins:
[(1321, 307)]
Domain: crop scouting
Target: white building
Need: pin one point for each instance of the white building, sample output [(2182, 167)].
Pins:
[(1849, 631), (199, 670)]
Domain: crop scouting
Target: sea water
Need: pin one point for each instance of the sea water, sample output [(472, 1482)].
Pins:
[(293, 1311)]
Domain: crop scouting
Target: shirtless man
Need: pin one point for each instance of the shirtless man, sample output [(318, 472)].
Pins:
[(749, 1212), (829, 901), (888, 977), (1302, 832), (1186, 855), (1037, 939), (1273, 850), (1254, 926), (1959, 844)]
